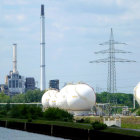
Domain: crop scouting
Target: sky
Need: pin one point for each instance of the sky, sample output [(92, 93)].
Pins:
[(74, 30)]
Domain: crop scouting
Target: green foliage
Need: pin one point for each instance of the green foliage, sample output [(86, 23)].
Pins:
[(80, 121), (138, 112), (4, 98), (98, 125), (25, 112), (57, 114), (18, 98), (122, 98), (28, 97), (33, 96)]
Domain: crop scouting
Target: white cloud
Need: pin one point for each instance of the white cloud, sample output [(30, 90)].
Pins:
[(15, 18), (15, 2)]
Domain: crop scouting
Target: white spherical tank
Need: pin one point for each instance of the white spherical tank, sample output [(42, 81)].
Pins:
[(81, 97), (47, 96), (74, 97), (137, 93)]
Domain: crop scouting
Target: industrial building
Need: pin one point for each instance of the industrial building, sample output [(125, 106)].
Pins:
[(14, 81), (30, 83), (54, 84)]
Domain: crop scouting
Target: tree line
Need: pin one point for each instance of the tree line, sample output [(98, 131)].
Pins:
[(28, 97), (36, 95), (119, 98)]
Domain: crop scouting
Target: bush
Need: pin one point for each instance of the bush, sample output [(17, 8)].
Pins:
[(57, 114), (98, 125), (25, 112), (80, 121), (138, 113)]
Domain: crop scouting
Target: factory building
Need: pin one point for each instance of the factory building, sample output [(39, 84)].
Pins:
[(54, 84), (14, 81), (30, 83)]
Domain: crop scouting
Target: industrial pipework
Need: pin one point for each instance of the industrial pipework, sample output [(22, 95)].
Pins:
[(42, 66)]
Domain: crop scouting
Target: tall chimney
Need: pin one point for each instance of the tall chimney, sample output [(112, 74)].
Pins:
[(14, 58), (42, 43)]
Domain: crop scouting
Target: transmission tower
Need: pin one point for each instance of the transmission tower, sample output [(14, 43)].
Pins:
[(111, 81)]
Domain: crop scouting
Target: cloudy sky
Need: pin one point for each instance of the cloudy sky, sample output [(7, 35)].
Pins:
[(74, 28)]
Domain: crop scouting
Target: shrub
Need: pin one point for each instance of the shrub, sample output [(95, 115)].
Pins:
[(87, 120), (138, 113), (57, 114), (80, 121), (25, 112), (98, 125)]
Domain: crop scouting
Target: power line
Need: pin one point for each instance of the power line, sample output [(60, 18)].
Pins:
[(111, 81)]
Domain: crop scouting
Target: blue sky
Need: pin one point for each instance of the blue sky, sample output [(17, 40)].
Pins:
[(74, 28)]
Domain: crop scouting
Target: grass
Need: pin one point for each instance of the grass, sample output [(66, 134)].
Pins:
[(122, 131), (59, 123), (86, 126), (131, 126)]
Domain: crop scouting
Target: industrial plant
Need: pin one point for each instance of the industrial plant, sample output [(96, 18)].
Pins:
[(14, 82), (79, 99)]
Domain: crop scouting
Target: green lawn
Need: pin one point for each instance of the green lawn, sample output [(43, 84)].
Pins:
[(83, 126), (132, 126), (121, 131)]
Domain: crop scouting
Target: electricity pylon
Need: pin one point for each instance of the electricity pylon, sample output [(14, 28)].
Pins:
[(111, 60)]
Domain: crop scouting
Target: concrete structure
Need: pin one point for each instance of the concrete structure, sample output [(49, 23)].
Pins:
[(113, 122), (77, 99), (14, 81), (30, 83), (42, 43), (54, 84)]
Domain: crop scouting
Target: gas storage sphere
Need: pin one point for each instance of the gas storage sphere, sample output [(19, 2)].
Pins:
[(73, 97), (48, 98), (80, 97), (137, 93)]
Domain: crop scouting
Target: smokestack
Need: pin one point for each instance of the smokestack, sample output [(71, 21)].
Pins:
[(42, 45), (14, 58)]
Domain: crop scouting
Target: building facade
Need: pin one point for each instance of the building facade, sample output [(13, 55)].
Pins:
[(15, 83), (30, 83), (54, 84)]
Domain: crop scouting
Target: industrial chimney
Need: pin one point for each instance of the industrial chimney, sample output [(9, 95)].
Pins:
[(42, 43), (14, 58)]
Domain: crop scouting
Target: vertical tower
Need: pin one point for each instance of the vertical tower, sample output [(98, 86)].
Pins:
[(111, 60), (14, 58), (111, 83), (42, 66)]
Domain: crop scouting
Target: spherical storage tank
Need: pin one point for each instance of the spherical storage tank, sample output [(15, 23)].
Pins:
[(49, 98), (73, 97), (137, 93)]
